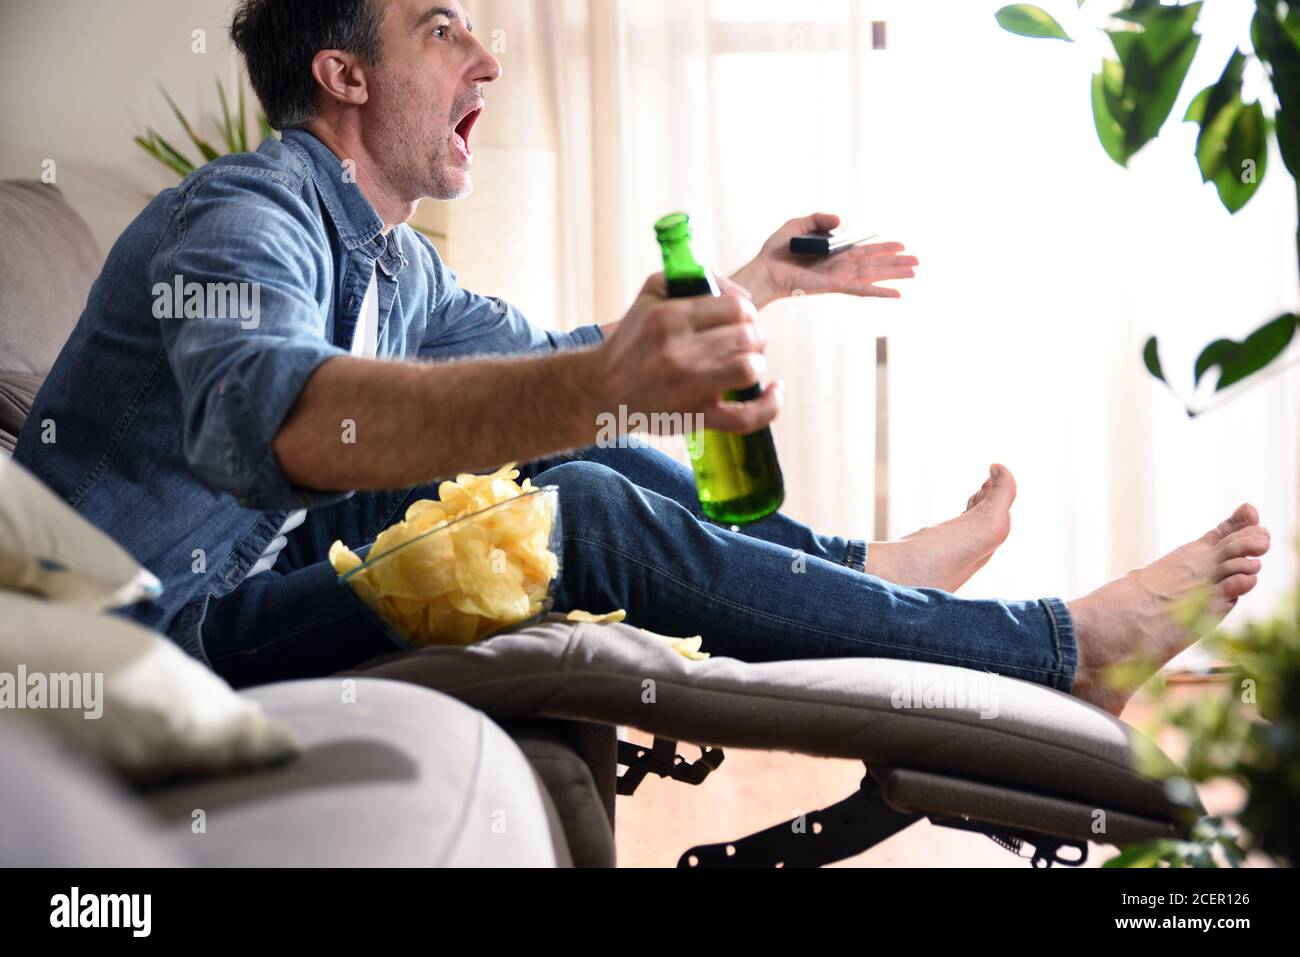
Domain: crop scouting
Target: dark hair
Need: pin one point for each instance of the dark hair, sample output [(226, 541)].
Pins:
[(280, 38)]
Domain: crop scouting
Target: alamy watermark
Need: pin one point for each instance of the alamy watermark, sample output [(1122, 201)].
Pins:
[(616, 430), (59, 690), (930, 691), (209, 300), (133, 912)]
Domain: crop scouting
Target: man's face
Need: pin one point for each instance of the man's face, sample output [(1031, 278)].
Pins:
[(426, 95)]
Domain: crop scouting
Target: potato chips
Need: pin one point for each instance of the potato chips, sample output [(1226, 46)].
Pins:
[(459, 569), (688, 648), (475, 562), (586, 617)]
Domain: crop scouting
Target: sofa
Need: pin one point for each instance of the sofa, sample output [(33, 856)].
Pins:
[(386, 789)]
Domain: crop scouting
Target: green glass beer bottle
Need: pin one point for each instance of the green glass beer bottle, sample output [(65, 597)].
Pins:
[(737, 477)]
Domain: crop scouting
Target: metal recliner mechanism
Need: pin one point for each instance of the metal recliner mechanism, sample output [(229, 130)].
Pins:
[(860, 821), (1046, 849), (868, 816), (662, 759)]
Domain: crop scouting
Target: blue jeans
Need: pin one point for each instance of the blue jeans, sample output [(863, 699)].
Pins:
[(634, 538)]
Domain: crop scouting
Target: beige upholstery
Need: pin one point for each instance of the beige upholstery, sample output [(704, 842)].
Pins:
[(940, 795), (390, 775), (48, 261), (1020, 736)]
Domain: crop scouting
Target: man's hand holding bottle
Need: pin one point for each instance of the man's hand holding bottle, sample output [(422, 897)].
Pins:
[(680, 355)]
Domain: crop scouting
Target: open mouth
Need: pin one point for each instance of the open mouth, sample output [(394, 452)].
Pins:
[(461, 134)]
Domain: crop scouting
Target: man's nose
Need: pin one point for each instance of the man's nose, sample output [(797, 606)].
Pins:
[(487, 68)]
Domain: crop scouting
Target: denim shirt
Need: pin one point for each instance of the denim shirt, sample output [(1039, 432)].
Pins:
[(213, 309)]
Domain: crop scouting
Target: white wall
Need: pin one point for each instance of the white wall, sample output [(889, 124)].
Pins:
[(79, 82)]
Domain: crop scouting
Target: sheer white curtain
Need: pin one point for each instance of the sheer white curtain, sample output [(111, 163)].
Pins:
[(1044, 267), (732, 112)]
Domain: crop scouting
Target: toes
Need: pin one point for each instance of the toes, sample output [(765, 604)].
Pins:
[(1003, 480), (1236, 586), (1251, 541), (1000, 485), (1245, 516), (1238, 566)]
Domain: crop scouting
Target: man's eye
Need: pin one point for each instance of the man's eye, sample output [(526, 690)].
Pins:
[(441, 32)]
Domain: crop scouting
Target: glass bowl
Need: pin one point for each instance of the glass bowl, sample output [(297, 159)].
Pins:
[(482, 574)]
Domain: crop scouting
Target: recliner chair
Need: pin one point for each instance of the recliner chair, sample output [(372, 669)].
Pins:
[(1038, 771)]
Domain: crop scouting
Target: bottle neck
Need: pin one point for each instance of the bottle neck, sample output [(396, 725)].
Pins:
[(680, 263)]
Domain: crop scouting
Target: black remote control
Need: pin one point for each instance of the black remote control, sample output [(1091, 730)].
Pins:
[(827, 244)]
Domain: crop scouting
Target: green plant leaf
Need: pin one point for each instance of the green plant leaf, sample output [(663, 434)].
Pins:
[(1259, 349), (1112, 74), (1228, 86), (1212, 142), (242, 126), (1108, 81), (1287, 124), (1290, 25), (1154, 58), (232, 124), (183, 164), (1135, 9), (1027, 20), (1217, 352), (152, 148), (1151, 356), (1150, 87), (1218, 109), (1274, 38), (227, 123), (1239, 360), (203, 146), (1245, 158), (1196, 109), (1147, 854), (1164, 28)]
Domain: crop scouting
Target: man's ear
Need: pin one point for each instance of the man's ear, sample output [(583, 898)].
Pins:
[(341, 77)]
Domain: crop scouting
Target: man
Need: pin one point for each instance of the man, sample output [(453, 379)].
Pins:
[(224, 450)]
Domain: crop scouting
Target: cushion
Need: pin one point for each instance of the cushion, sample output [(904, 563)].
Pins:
[(48, 261), (885, 712), (48, 549), (127, 695), (17, 393), (62, 811), (574, 761), (390, 775)]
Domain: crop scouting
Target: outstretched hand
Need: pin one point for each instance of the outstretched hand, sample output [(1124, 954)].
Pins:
[(776, 273)]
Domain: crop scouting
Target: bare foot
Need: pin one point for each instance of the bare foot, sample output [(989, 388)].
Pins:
[(1128, 620), (946, 556)]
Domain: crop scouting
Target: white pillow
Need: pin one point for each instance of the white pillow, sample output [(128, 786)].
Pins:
[(160, 712), (47, 548)]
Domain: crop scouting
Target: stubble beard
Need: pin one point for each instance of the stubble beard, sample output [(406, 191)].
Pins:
[(446, 181), (433, 168)]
